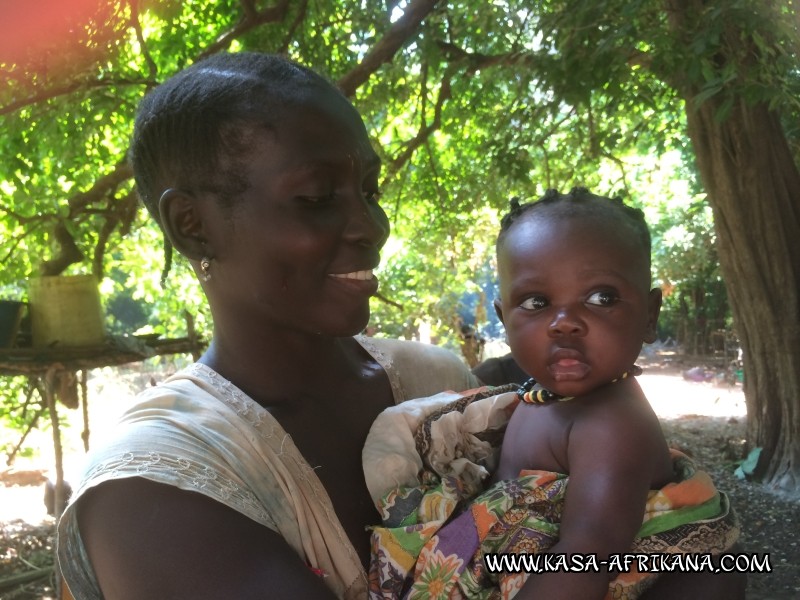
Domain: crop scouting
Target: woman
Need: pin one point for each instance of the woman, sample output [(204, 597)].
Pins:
[(262, 175)]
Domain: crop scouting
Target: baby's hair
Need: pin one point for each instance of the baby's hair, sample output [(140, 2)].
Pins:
[(191, 131), (579, 201)]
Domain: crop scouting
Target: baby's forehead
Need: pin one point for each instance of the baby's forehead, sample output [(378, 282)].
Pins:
[(568, 221), (573, 229)]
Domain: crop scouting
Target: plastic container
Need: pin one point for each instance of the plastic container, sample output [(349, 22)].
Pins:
[(66, 311), (11, 312)]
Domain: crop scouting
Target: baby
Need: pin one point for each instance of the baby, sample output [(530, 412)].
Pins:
[(584, 477), (576, 303)]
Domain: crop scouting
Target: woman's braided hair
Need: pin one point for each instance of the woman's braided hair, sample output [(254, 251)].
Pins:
[(192, 131), (579, 201)]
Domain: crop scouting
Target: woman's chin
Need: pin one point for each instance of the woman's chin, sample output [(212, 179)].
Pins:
[(352, 326)]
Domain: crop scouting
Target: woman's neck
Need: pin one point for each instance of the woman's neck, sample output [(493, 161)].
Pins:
[(271, 368)]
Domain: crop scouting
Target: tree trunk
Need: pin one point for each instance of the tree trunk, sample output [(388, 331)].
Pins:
[(753, 187)]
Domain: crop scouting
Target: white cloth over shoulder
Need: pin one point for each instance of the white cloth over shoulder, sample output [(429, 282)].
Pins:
[(392, 459), (199, 432)]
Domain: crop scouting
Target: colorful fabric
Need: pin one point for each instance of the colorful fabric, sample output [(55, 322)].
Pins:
[(199, 432), (439, 523)]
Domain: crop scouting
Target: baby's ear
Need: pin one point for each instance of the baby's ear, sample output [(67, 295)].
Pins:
[(498, 309), (183, 223), (653, 310)]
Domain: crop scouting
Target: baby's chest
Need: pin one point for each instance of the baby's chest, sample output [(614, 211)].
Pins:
[(536, 438)]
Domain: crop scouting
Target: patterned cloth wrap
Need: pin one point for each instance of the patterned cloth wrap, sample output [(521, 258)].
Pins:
[(439, 521)]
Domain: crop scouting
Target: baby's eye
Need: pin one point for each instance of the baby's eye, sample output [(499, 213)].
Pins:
[(602, 299), (534, 303)]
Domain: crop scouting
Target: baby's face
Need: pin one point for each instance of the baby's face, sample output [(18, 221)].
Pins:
[(575, 300)]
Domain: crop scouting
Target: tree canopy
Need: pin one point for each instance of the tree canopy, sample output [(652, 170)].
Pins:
[(458, 106), (468, 104)]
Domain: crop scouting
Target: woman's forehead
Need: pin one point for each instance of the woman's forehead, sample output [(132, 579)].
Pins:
[(302, 145), (319, 131)]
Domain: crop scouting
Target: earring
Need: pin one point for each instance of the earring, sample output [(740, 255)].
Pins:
[(205, 268)]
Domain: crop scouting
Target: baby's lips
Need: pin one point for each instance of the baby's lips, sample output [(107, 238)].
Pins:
[(568, 369)]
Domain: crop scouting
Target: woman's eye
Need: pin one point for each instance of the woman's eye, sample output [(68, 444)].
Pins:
[(321, 199), (373, 196), (602, 299), (534, 303)]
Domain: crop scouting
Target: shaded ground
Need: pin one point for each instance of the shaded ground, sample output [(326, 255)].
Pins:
[(702, 419), (769, 522)]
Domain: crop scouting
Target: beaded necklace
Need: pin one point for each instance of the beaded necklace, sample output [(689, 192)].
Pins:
[(529, 395)]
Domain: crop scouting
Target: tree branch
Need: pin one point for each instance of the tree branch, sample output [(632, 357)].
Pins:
[(100, 247), (69, 88), (137, 27), (386, 300), (299, 18), (121, 173), (121, 215), (425, 131), (27, 219), (251, 19), (475, 61), (16, 241), (68, 253), (383, 52)]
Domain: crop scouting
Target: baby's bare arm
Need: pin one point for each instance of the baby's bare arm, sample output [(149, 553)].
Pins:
[(614, 448)]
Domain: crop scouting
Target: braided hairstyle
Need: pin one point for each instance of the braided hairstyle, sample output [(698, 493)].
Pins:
[(579, 201), (193, 131)]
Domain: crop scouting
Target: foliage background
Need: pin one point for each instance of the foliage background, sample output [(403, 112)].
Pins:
[(468, 104), (465, 116)]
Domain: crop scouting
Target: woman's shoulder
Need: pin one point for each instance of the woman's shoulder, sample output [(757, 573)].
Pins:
[(412, 349), (174, 428), (196, 389), (420, 369)]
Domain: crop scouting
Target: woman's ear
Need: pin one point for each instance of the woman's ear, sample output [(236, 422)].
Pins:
[(653, 310), (182, 221)]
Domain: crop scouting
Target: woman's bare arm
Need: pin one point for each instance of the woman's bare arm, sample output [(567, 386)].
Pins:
[(149, 540)]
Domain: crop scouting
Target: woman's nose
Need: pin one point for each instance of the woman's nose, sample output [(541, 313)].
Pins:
[(566, 321), (367, 223)]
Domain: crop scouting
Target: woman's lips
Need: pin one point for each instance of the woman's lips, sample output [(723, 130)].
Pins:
[(359, 275), (363, 282), (568, 369)]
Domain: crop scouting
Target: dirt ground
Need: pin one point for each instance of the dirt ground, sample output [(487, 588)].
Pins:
[(708, 421), (704, 419)]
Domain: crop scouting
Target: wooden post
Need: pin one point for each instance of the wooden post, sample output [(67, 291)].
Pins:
[(192, 335), (85, 407), (58, 495)]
